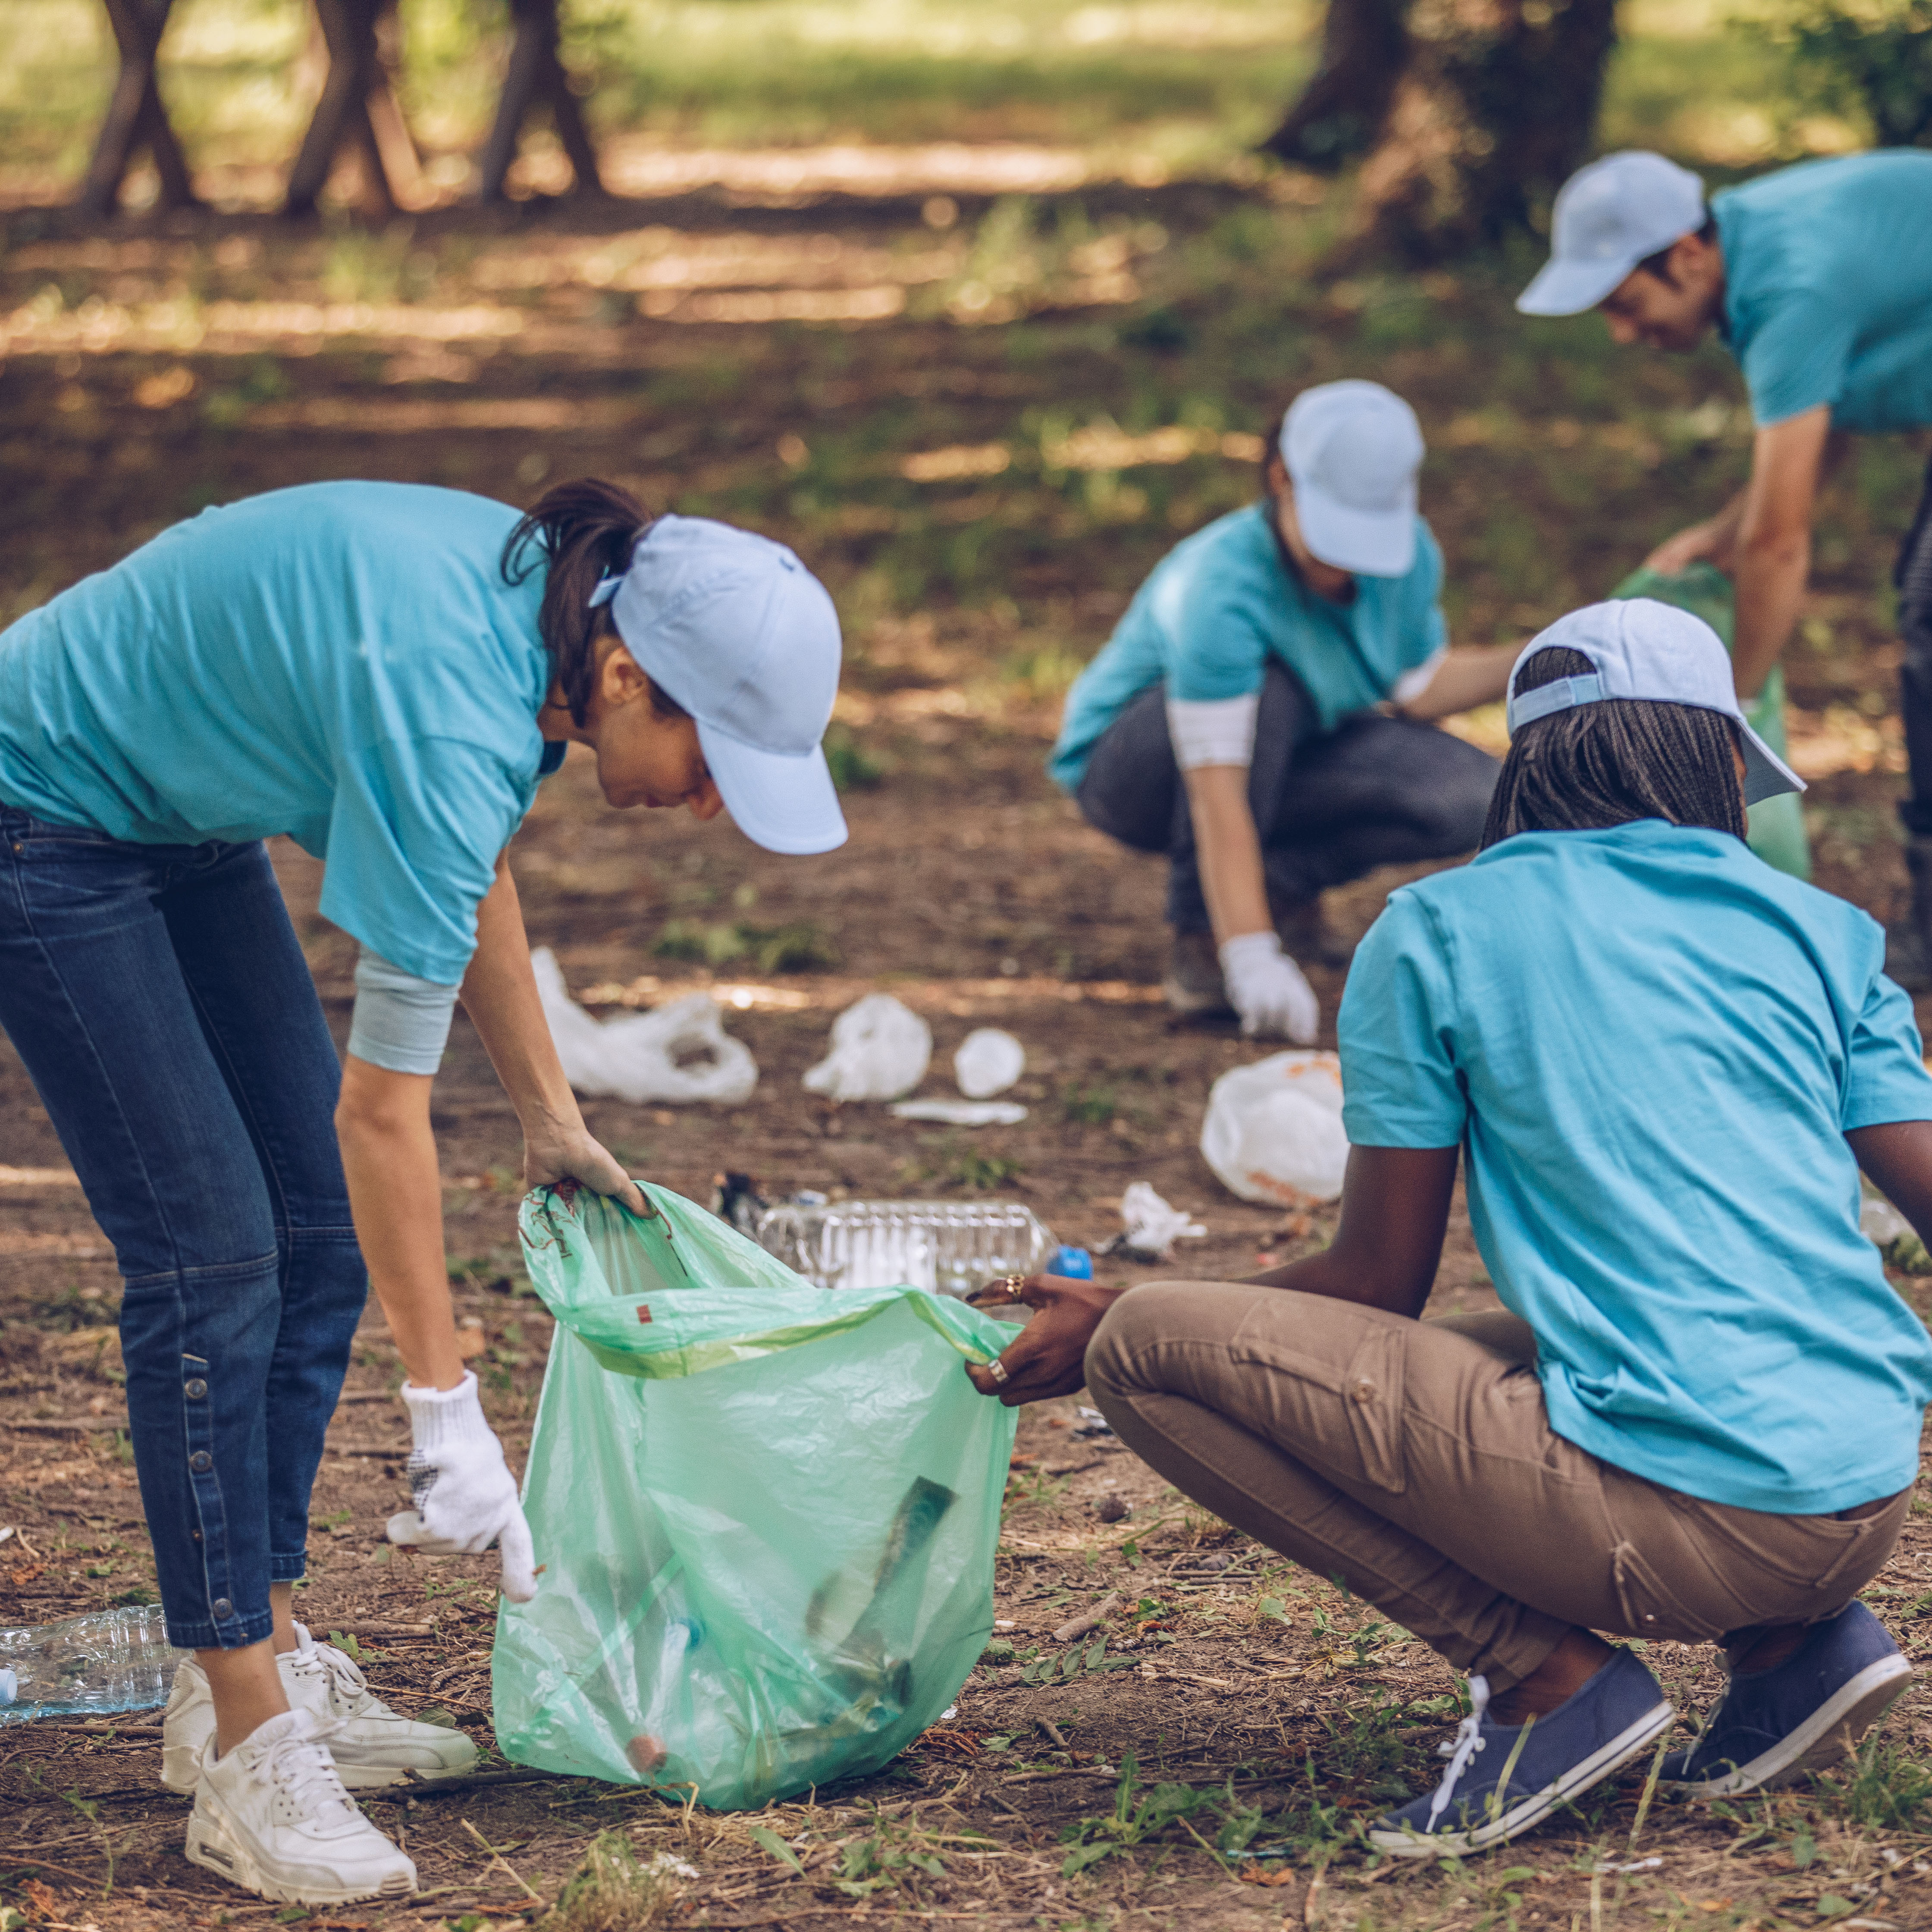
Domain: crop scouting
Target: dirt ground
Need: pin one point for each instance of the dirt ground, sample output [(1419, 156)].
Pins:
[(1275, 1715)]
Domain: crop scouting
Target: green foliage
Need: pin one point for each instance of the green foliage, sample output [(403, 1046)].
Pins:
[(1883, 1787), (1871, 54), (853, 767), (1136, 1818), (612, 1891), (802, 946), (1088, 1655), (1092, 1106)]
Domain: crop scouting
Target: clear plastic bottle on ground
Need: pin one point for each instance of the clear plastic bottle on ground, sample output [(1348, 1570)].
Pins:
[(954, 1246), (86, 1666)]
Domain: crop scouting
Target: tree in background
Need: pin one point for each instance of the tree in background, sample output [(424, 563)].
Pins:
[(1466, 114), (1873, 54)]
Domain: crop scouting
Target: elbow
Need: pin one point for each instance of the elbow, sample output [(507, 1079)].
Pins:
[(376, 1106), (1776, 549)]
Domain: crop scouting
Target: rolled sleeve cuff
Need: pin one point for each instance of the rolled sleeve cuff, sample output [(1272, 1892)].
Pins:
[(401, 1023), (1220, 731)]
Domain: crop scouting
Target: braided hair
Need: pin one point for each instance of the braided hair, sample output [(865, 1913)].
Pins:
[(1613, 761), (583, 531)]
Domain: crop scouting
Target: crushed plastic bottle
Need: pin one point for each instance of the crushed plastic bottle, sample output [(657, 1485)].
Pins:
[(953, 1247), (87, 1666)]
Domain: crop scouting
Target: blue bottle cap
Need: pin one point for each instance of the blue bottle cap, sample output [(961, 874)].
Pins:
[(1072, 1264)]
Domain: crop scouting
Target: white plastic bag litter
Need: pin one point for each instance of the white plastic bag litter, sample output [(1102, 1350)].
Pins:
[(988, 1062), (1274, 1130), (1151, 1227), (962, 1113), (880, 1048), (680, 1051)]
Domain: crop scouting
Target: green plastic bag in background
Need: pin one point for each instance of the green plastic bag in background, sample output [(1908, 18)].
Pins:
[(1778, 834), (767, 1513)]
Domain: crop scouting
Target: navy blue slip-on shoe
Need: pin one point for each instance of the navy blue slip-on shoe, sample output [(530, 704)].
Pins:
[(1771, 1727), (1525, 1770)]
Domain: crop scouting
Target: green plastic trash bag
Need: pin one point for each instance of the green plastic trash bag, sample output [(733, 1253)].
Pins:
[(1777, 826), (766, 1513)]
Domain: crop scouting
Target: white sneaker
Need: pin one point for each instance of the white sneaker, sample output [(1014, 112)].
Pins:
[(372, 1745), (272, 1817)]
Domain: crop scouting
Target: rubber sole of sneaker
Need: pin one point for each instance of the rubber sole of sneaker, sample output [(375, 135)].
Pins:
[(215, 1850), (1532, 1809), (1191, 1004), (1821, 1742)]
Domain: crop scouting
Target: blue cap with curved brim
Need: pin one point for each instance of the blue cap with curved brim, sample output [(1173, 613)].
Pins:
[(1351, 450), (736, 629), (1643, 648)]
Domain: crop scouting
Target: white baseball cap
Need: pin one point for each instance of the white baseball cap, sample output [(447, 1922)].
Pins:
[(1352, 450), (745, 638), (1644, 649), (1608, 217)]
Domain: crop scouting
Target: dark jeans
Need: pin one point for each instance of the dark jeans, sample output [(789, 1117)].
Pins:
[(1913, 577), (1329, 805), (160, 1000)]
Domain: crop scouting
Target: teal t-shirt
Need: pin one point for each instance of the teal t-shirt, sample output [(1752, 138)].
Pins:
[(1651, 1047), (1828, 288), (1218, 606), (343, 662)]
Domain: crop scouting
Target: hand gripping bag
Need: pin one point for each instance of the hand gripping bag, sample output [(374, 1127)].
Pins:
[(766, 1513)]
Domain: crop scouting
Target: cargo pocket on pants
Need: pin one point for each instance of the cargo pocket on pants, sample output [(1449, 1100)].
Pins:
[(1649, 1608), (1372, 1397)]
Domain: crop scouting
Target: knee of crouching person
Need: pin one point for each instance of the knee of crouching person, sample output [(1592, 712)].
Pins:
[(1125, 1330)]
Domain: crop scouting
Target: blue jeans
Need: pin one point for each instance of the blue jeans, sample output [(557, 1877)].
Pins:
[(162, 1006), (1329, 805)]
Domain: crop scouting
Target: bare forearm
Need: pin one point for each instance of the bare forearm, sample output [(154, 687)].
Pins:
[(1770, 576), (1229, 849), (395, 1197), (1467, 677), (1330, 1275), (500, 995)]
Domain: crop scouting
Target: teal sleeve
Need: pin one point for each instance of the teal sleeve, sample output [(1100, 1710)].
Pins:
[(1401, 1086), (400, 1022), (1798, 358), (1218, 642), (1886, 1079), (414, 836)]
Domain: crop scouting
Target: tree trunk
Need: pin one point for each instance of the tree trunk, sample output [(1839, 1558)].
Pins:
[(1493, 112), (1364, 48)]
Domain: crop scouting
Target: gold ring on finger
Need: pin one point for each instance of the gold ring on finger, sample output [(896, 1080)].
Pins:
[(996, 1370)]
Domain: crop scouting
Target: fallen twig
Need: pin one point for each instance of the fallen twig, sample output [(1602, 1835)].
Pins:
[(417, 1786), (496, 1859), (1051, 1732), (1080, 1625)]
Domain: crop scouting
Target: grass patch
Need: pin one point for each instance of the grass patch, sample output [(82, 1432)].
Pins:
[(615, 1891)]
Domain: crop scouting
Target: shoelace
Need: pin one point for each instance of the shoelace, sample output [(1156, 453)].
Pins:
[(300, 1766), (1468, 1741), (346, 1684)]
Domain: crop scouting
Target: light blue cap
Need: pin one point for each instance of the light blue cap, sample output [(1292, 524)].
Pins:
[(1644, 649), (1351, 450), (736, 629), (1608, 217)]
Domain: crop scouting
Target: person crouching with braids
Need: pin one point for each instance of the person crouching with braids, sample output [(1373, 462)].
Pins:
[(1697, 1416)]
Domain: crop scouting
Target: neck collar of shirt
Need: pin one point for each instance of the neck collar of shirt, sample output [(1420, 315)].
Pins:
[(1633, 832)]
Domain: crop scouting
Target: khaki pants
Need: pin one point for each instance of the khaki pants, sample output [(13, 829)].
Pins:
[(1414, 1462)]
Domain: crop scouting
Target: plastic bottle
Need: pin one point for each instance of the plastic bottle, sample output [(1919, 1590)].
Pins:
[(954, 1246), (84, 1666)]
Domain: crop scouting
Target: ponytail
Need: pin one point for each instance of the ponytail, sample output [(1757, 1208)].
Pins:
[(584, 531)]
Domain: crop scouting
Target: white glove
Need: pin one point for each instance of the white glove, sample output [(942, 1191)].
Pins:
[(1267, 989), (466, 1496)]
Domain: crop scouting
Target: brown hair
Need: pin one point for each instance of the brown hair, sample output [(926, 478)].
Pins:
[(581, 531), (1658, 265)]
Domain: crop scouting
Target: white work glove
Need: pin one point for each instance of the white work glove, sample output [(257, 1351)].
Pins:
[(466, 1496), (1267, 989)]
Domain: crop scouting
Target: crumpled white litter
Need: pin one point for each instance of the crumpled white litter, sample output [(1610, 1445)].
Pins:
[(880, 1048), (988, 1062), (1881, 1223), (680, 1051), (1152, 1226), (1273, 1129), (962, 1113)]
